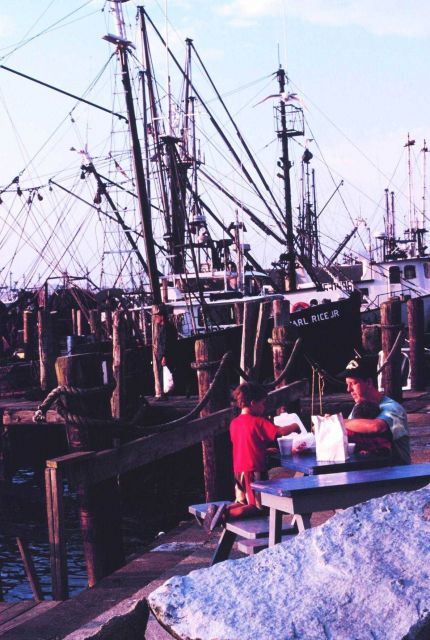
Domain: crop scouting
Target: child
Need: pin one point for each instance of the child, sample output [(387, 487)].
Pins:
[(250, 434), (379, 444)]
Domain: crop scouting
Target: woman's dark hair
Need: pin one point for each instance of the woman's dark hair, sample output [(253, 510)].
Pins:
[(246, 392)]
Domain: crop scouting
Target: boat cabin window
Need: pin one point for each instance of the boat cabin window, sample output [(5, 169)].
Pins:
[(426, 266), (410, 272), (364, 292), (394, 275), (191, 285), (217, 315)]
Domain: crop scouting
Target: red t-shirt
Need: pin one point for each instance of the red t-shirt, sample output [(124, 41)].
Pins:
[(250, 436)]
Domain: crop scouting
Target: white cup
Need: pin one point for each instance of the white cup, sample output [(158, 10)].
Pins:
[(285, 446)]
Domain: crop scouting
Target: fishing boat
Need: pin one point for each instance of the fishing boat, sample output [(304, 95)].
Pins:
[(396, 264), (171, 229)]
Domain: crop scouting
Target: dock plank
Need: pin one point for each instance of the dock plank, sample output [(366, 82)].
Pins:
[(27, 614), (15, 610)]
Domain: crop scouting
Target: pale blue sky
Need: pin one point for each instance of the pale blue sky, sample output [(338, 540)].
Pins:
[(360, 67)]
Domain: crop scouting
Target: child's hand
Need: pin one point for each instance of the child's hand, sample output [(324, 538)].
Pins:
[(299, 447)]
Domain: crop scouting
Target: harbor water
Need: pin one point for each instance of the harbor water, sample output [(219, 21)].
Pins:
[(153, 502)]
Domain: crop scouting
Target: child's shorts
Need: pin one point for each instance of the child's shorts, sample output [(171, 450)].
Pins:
[(243, 492)]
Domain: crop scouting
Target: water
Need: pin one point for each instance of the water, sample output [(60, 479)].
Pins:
[(152, 501), (23, 514)]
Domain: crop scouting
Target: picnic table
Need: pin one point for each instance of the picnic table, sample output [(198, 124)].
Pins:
[(300, 497), (306, 463)]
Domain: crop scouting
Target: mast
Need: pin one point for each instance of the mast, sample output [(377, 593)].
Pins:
[(314, 228), (424, 151), (308, 222), (412, 227), (285, 130), (123, 46), (154, 128), (422, 231)]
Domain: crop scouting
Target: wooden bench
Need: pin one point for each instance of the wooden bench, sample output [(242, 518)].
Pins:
[(300, 497), (249, 534)]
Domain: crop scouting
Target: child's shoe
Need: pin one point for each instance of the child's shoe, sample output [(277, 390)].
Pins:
[(210, 515)]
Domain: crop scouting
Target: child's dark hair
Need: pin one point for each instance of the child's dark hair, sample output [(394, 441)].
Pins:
[(248, 391), (365, 409)]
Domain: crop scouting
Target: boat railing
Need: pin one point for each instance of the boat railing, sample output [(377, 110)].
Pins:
[(376, 301)]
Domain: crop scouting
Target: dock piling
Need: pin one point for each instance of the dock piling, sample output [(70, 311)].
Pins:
[(390, 327), (415, 308), (56, 533)]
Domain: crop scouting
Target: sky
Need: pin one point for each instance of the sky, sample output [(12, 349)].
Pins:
[(360, 69)]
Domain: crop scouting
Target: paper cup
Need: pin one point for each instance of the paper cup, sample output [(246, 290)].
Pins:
[(351, 448), (285, 446)]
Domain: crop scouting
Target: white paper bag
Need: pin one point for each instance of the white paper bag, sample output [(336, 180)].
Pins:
[(330, 437), (285, 419), (168, 383)]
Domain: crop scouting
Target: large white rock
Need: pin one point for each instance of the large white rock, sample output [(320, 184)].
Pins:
[(364, 574)]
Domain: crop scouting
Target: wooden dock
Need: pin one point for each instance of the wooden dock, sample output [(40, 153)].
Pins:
[(115, 609)]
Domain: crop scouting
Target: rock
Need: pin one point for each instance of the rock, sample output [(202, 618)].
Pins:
[(364, 574)]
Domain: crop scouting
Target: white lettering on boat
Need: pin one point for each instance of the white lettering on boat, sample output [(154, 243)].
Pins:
[(317, 317)]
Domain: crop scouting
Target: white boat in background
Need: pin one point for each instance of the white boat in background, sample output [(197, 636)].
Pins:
[(397, 266)]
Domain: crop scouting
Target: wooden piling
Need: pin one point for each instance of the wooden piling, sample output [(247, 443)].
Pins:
[(371, 338), (56, 533), (164, 290), (238, 313), (99, 504), (209, 351), (74, 314), (390, 327), (80, 323), (250, 316), (46, 350), (29, 334), (260, 338), (280, 342), (108, 322), (118, 361), (100, 521), (30, 570), (159, 336), (96, 324), (281, 312), (145, 326), (415, 309)]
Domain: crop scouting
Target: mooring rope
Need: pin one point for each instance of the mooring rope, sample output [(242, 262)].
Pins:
[(393, 350), (69, 391), (203, 402), (272, 385), (226, 359)]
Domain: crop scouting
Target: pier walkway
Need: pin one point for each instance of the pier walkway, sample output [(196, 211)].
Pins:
[(115, 608)]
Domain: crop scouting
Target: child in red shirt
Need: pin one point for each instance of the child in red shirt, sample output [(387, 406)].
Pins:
[(250, 434)]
